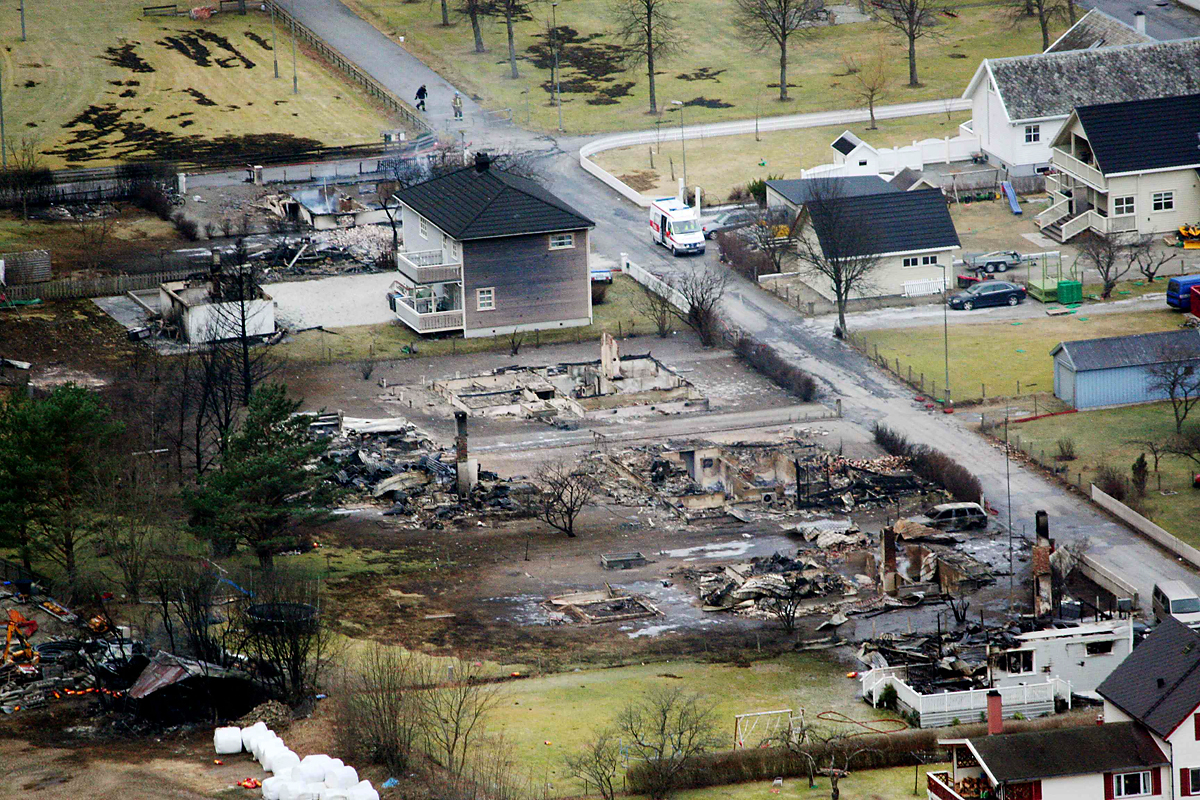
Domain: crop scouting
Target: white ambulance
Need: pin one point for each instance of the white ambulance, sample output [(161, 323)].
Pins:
[(676, 226)]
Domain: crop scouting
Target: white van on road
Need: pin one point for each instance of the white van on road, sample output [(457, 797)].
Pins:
[(676, 226)]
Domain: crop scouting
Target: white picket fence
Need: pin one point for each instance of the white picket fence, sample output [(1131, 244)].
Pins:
[(923, 288), (942, 708)]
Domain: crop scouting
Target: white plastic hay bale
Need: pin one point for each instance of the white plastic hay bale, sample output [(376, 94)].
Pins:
[(314, 790), (334, 794), (286, 775), (271, 787), (251, 732), (263, 744), (363, 790), (335, 763), (285, 761), (341, 777), (227, 741), (272, 754), (310, 771)]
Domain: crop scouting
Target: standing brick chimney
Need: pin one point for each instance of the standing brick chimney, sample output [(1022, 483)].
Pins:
[(995, 713), (460, 439)]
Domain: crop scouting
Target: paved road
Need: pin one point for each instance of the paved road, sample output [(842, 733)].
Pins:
[(868, 395)]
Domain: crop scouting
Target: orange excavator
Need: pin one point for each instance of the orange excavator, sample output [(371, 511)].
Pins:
[(19, 630)]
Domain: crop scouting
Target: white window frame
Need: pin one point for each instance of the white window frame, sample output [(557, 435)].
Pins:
[(1119, 787), (1128, 203), (490, 303), (570, 241), (1008, 657), (454, 249), (423, 227), (929, 260), (910, 261), (1033, 134), (1162, 201)]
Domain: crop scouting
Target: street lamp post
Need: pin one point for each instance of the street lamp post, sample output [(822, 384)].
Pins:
[(274, 49), (682, 146), (22, 20), (557, 75), (295, 77)]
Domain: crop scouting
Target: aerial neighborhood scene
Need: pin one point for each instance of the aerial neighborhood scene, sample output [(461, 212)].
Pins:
[(598, 399)]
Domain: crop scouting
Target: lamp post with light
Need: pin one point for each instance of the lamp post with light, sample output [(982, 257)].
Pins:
[(682, 146)]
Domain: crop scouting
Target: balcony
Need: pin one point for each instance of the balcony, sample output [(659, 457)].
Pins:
[(425, 315), (940, 786), (427, 266), (1078, 169)]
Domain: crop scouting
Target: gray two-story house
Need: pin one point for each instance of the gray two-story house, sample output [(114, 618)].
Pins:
[(490, 253)]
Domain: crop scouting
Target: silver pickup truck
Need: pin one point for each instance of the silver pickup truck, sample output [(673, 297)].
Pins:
[(995, 261)]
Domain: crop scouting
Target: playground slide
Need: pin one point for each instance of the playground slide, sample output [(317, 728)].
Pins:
[(1012, 197)]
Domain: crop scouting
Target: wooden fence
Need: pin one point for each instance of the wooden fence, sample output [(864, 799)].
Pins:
[(72, 289), (369, 84)]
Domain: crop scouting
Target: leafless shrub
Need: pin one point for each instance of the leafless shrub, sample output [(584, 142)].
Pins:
[(566, 489), (377, 709), (455, 710), (663, 731)]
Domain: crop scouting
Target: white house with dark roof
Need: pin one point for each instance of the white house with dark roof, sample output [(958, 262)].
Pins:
[(1093, 373), (910, 233), (489, 253), (1125, 167), (1019, 104)]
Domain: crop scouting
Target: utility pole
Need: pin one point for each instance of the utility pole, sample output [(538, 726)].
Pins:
[(22, 20), (682, 146), (274, 49), (1008, 488), (557, 75), (3, 141), (946, 332), (295, 77)]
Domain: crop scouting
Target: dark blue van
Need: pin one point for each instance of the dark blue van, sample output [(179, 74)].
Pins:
[(1179, 292)]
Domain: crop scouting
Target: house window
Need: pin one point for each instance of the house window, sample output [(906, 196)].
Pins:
[(1098, 648), (1193, 776), (1033, 134), (1122, 206), (423, 227), (927, 260), (911, 261), (1019, 662), (562, 241), (1163, 201), (1132, 784), (454, 250), (862, 163), (485, 299)]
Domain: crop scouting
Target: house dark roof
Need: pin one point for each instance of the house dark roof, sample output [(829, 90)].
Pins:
[(1139, 350), (1158, 684), (1051, 84), (1097, 29), (892, 222), (1166, 133), (473, 203), (1083, 750), (844, 145), (905, 178), (800, 190)]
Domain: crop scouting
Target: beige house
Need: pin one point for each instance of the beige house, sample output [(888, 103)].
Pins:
[(1125, 168)]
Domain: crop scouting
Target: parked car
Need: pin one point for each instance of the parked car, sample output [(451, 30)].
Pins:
[(1179, 292), (988, 293), (954, 517), (995, 261), (602, 275), (727, 221), (1176, 599)]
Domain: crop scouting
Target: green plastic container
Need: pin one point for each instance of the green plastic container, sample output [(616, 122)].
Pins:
[(1070, 292)]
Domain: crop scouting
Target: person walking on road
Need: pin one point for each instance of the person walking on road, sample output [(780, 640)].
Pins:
[(457, 104), (422, 93)]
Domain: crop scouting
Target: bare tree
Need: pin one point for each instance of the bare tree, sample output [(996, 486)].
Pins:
[(664, 730), (655, 307), (473, 10), (455, 710), (773, 238), (766, 23), (27, 179), (377, 710), (566, 489), (784, 604), (650, 31), (1047, 13), (913, 18), (597, 763), (1156, 448), (512, 11), (702, 291), (94, 233), (1186, 445), (835, 243), (871, 78), (1175, 374), (1110, 254), (1148, 259)]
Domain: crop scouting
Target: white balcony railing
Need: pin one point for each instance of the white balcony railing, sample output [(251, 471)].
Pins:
[(940, 786), (428, 266), (1078, 170), (1086, 220), (423, 319), (1053, 214)]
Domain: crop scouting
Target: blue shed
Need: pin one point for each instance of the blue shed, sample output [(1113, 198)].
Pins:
[(1091, 373)]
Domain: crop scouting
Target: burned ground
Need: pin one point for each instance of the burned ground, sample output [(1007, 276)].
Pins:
[(594, 64), (194, 46), (126, 57)]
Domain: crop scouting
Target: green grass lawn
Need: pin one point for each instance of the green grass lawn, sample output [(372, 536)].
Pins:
[(715, 71), (547, 717), (1103, 437), (987, 359), (875, 784), (616, 315), (94, 84), (721, 163)]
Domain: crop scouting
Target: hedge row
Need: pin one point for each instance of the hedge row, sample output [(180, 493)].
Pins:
[(930, 464)]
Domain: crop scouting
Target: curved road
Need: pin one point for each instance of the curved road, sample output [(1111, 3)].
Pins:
[(868, 395)]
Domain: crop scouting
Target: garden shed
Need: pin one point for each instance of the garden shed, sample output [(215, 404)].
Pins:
[(1091, 373)]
